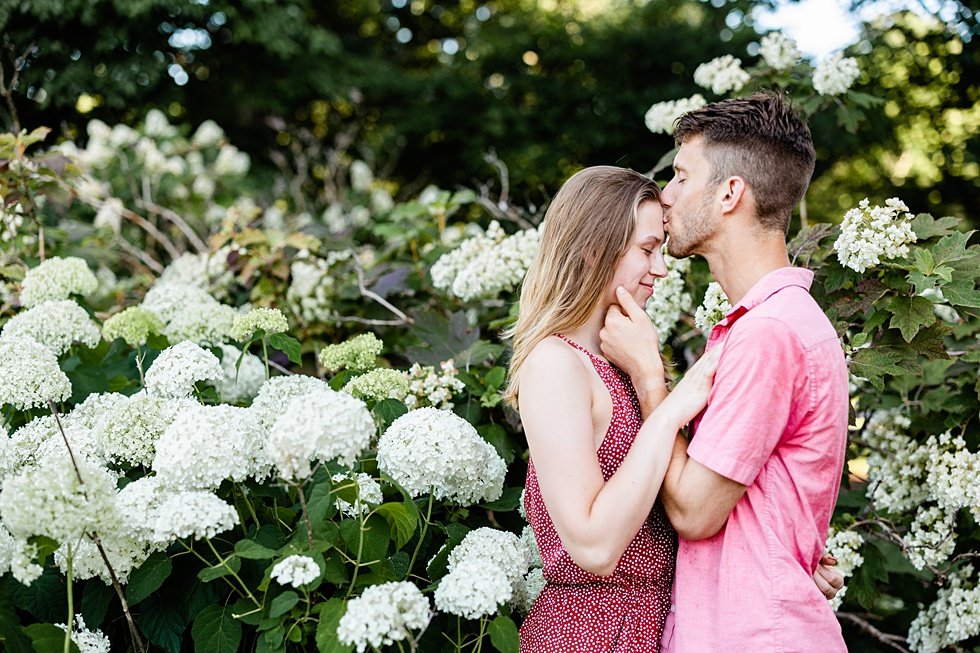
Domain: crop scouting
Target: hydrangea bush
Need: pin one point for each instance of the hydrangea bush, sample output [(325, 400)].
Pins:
[(289, 435)]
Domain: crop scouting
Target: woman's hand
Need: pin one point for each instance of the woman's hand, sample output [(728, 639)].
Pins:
[(829, 581), (690, 396)]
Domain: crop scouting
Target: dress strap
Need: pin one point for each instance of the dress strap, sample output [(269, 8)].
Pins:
[(592, 357)]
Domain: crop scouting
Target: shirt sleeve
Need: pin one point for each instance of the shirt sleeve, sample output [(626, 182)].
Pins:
[(751, 401)]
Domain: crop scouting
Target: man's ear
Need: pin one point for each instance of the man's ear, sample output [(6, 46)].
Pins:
[(734, 192)]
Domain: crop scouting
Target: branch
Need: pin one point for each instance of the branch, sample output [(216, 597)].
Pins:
[(370, 294), (894, 641), (8, 91), (173, 217)]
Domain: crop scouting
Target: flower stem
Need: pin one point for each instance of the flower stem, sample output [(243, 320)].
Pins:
[(425, 527), (223, 562), (306, 512), (265, 355), (71, 603)]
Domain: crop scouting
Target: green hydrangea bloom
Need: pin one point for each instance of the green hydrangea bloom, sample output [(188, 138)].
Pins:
[(134, 325), (378, 384), (358, 353), (270, 320)]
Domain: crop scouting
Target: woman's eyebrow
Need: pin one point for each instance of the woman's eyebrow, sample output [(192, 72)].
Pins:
[(652, 239)]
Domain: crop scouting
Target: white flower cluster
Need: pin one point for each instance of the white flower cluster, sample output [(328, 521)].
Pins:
[(322, 425), (87, 641), (177, 368), (870, 234), (660, 117), (57, 278), (239, 384), (205, 445), (931, 538), (431, 450), (296, 570), (129, 431), (953, 617), (485, 570), (269, 320), (779, 51), (426, 387), (384, 614), (713, 309), (193, 513), (845, 546), (530, 588), (188, 312), (670, 298), (952, 474), (312, 286), (30, 375), (896, 464), (358, 353), (11, 220), (55, 324), (721, 75), (484, 265), (378, 384), (134, 325), (835, 74), (366, 493)]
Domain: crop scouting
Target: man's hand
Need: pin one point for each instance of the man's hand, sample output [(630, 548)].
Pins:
[(829, 581), (630, 340)]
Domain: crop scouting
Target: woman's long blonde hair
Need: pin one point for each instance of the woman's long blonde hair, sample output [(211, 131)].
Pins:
[(587, 229)]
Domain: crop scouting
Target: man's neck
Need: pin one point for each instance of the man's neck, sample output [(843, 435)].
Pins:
[(740, 265)]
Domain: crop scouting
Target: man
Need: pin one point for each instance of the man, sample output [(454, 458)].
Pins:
[(751, 496)]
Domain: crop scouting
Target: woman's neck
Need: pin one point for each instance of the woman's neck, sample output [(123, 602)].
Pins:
[(587, 335)]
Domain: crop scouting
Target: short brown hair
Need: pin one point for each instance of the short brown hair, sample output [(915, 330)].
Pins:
[(761, 139)]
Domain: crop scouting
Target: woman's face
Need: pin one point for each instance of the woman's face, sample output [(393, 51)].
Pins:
[(643, 261)]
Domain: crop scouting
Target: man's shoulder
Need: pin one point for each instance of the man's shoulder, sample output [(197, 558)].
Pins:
[(791, 311)]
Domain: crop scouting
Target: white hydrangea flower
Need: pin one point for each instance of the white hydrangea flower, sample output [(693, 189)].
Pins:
[(11, 220), (483, 266), (779, 51), (110, 215), (952, 618), (276, 394), (531, 547), (197, 513), (721, 75), (896, 464), (426, 387), (378, 384), (129, 433), (845, 546), (361, 176), (207, 271), (660, 117), (952, 474), (323, 425), (88, 641), (931, 538), (156, 125), (56, 324), (474, 589), (177, 368), (835, 74), (530, 589), (134, 325), (368, 493), (19, 557), (48, 499), (231, 162), (208, 134), (57, 278), (296, 570), (670, 298), (241, 384), (270, 320), (502, 548), (431, 450), (189, 313), (869, 235), (30, 375), (312, 286), (713, 309), (384, 614), (205, 445)]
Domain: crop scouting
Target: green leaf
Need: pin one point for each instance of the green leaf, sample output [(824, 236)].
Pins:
[(925, 226), (372, 541), (962, 293), (805, 243), (320, 500), (910, 314), (48, 638), (401, 522), (283, 603), (873, 365), (287, 345), (495, 377), (334, 570), (326, 630), (251, 550), (389, 410), (925, 262), (148, 577), (219, 571), (216, 631), (508, 501), (397, 567), (162, 623), (503, 635), (454, 535), (952, 248), (11, 634), (497, 435), (44, 598)]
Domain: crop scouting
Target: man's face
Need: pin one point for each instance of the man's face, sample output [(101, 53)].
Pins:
[(688, 201)]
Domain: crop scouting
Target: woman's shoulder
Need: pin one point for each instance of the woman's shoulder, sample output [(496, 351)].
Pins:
[(555, 357)]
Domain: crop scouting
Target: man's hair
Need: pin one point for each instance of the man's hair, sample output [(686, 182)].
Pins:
[(761, 139)]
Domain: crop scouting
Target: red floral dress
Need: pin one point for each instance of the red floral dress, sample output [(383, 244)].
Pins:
[(579, 612)]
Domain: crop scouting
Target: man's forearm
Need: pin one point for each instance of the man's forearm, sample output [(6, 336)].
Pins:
[(651, 392), (670, 495)]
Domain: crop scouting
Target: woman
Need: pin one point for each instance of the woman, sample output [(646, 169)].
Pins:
[(594, 475)]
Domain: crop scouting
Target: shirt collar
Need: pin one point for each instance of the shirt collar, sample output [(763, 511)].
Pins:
[(768, 286)]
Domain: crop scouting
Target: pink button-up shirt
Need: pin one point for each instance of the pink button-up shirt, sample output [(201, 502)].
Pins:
[(776, 422)]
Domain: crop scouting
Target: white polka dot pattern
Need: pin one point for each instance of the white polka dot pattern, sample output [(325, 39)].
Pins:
[(583, 613)]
